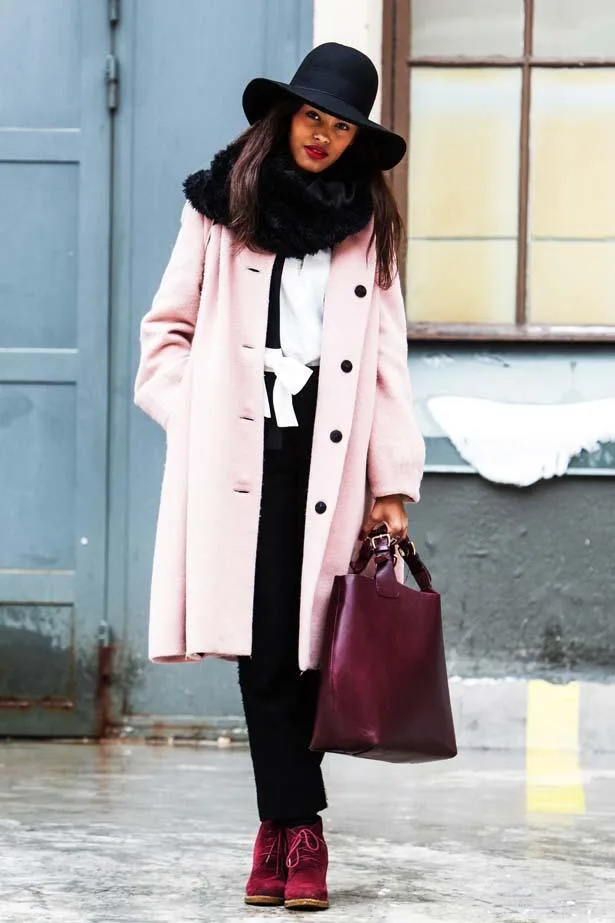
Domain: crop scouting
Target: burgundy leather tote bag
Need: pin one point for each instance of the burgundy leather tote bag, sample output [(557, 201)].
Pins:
[(384, 689)]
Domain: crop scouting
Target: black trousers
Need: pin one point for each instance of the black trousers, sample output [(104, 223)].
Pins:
[(279, 702)]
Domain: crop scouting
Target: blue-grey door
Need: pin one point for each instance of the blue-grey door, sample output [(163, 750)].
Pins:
[(183, 67), (54, 267)]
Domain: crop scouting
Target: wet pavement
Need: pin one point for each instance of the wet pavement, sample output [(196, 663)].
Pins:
[(139, 833)]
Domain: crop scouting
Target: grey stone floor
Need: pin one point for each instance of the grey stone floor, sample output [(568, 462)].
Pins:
[(136, 833)]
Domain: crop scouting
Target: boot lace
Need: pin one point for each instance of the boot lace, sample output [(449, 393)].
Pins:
[(304, 846), (273, 850)]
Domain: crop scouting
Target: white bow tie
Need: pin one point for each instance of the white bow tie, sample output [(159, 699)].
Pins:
[(290, 377)]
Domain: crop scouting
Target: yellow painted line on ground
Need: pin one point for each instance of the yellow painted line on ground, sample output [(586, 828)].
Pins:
[(554, 784)]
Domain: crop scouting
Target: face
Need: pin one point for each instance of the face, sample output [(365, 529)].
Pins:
[(317, 140)]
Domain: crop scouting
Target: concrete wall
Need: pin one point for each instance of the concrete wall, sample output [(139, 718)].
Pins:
[(527, 576)]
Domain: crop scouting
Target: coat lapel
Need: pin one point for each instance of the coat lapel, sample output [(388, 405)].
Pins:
[(251, 297), (347, 306)]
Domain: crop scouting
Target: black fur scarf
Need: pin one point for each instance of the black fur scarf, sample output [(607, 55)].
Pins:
[(300, 213)]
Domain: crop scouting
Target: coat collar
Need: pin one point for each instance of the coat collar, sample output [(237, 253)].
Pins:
[(354, 253)]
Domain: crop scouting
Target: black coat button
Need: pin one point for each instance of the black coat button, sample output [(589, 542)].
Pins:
[(320, 507), (360, 291), (346, 365), (336, 436)]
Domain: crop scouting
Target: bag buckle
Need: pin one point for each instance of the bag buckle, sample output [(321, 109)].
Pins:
[(375, 538)]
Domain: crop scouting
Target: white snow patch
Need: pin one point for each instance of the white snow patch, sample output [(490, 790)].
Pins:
[(522, 443)]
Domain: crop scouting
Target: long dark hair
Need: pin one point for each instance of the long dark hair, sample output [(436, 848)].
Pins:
[(359, 159)]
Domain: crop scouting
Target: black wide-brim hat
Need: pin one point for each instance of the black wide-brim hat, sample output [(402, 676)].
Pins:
[(338, 80)]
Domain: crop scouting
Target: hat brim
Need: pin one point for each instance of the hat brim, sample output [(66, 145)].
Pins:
[(261, 94)]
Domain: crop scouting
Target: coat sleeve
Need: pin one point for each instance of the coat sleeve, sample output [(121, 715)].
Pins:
[(396, 453), (168, 327)]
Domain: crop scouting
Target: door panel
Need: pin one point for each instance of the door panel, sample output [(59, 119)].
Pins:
[(186, 67), (54, 265)]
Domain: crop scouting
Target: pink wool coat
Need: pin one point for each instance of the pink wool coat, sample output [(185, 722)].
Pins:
[(201, 378)]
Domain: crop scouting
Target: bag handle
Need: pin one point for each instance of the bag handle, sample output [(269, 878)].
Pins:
[(379, 542)]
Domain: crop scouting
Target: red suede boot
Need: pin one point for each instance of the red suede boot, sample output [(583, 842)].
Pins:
[(307, 861), (268, 878)]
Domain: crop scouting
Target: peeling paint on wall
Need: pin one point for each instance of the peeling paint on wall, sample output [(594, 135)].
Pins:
[(51, 622), (36, 652)]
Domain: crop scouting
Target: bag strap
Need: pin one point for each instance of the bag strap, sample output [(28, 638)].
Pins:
[(407, 550), (374, 544), (382, 545)]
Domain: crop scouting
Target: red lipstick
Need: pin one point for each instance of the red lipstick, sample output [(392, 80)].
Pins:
[(316, 152)]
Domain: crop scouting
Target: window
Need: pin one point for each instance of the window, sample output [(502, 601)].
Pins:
[(509, 187)]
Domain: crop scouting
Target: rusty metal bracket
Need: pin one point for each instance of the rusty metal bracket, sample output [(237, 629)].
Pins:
[(104, 682)]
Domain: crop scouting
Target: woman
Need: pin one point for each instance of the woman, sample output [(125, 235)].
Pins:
[(274, 356)]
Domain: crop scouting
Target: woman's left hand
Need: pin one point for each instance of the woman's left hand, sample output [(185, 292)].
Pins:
[(390, 510)]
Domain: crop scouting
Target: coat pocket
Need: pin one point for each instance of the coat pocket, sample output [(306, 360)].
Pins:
[(178, 395)]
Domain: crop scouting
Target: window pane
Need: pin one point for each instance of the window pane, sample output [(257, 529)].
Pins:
[(572, 282), (459, 282), (467, 27), (464, 153), (574, 28), (572, 192)]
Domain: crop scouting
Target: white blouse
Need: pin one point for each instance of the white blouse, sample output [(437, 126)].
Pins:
[(302, 302)]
